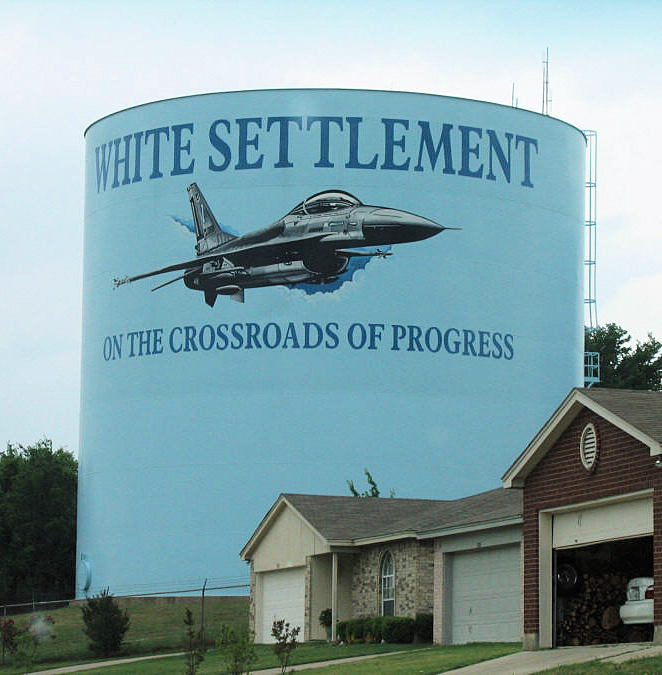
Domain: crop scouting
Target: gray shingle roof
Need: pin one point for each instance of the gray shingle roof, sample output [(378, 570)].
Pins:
[(352, 518), (641, 409)]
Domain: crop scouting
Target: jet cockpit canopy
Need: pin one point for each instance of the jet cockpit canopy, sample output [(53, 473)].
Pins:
[(325, 202)]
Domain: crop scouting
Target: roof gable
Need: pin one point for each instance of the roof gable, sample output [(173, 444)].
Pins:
[(637, 413)]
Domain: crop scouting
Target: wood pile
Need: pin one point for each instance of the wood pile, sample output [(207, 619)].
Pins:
[(590, 616)]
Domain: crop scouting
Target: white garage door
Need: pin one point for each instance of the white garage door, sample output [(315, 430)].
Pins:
[(485, 595), (617, 520), (283, 597)]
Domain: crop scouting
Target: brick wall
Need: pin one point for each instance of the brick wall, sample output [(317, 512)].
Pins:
[(624, 466), (413, 563)]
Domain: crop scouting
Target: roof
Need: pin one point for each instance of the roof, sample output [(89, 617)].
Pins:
[(641, 409), (356, 521), (636, 412)]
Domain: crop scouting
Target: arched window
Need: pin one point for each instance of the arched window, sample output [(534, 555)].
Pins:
[(387, 578)]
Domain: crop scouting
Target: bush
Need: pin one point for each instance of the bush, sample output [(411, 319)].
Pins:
[(400, 629), (423, 627), (237, 649), (105, 623)]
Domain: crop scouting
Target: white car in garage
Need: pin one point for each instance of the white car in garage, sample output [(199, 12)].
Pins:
[(638, 607)]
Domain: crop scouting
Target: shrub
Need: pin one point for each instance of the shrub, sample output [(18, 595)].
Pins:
[(105, 623), (237, 649), (286, 642), (398, 629), (423, 627), (375, 629), (194, 652), (325, 618)]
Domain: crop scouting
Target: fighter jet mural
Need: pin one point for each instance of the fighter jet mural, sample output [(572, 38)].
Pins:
[(312, 244)]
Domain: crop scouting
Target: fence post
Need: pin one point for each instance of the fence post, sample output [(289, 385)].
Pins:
[(202, 617)]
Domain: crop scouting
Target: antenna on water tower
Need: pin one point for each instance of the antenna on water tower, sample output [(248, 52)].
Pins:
[(546, 98)]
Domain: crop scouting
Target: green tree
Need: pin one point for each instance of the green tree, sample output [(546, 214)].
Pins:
[(237, 649), (286, 642), (621, 365), (37, 522), (372, 491), (105, 623)]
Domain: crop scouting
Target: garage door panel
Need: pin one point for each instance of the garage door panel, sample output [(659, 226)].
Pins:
[(485, 595), (617, 520), (282, 597)]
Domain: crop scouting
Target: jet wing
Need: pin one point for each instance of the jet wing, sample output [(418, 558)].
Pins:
[(188, 265)]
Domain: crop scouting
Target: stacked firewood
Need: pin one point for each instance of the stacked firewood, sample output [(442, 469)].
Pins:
[(590, 616)]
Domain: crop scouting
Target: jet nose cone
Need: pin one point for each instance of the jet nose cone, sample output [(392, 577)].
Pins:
[(394, 226)]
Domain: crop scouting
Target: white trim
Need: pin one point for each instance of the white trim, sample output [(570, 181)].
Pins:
[(473, 527)]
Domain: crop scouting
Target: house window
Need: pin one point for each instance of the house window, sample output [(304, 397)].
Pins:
[(387, 578)]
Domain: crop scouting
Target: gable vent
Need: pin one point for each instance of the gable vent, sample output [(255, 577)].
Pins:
[(588, 447)]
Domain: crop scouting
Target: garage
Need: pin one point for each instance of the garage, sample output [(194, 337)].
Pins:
[(592, 494), (282, 593), (485, 595)]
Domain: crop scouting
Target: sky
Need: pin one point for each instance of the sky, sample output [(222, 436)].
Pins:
[(64, 65)]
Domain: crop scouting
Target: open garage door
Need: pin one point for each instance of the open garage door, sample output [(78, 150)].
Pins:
[(282, 597), (486, 595)]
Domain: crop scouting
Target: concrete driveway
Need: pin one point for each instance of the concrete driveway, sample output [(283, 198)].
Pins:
[(523, 663)]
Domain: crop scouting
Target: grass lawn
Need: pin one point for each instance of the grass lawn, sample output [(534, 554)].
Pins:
[(213, 663), (414, 659), (156, 626), (649, 666), (429, 661)]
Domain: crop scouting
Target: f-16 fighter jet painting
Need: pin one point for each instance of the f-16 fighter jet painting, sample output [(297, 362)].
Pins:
[(312, 244)]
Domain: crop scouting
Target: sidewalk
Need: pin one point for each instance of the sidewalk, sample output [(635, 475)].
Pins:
[(525, 663)]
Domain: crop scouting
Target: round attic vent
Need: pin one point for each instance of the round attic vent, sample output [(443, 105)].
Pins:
[(588, 447)]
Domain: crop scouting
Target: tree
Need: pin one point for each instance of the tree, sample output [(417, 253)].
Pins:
[(373, 490), (194, 650), (237, 649), (621, 365), (286, 642), (37, 522), (105, 623)]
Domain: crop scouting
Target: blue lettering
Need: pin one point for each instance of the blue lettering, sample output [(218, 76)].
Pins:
[(435, 346), (375, 334), (122, 160), (325, 122), (103, 166), (528, 142), (468, 150), (508, 343), (252, 333), (238, 341), (291, 336), (284, 139), (452, 347), (415, 333), (156, 148), (189, 339), (501, 156), (497, 350), (363, 336), (137, 144), (206, 337), (433, 152), (354, 163), (222, 335), (171, 340), (178, 149), (483, 343), (319, 335), (220, 145), (331, 330), (271, 343), (245, 143), (390, 143), (398, 334)]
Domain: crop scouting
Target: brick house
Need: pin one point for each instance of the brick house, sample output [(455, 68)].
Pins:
[(592, 495), (372, 557)]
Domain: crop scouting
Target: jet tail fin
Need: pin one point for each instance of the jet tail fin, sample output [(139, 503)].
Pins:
[(207, 230)]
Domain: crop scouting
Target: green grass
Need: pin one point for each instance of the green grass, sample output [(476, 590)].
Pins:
[(213, 663), (156, 626), (646, 666), (414, 659), (428, 661)]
